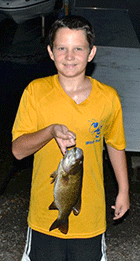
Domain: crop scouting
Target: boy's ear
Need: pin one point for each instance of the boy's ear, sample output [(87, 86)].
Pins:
[(50, 52), (92, 53)]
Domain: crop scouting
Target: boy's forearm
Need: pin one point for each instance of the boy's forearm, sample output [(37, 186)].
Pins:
[(119, 164), (28, 144)]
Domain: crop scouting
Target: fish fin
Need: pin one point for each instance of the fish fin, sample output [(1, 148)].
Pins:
[(62, 225), (52, 206), (53, 176), (77, 207), (65, 180)]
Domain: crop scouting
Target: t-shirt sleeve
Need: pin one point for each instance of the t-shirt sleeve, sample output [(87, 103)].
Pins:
[(114, 132), (26, 117)]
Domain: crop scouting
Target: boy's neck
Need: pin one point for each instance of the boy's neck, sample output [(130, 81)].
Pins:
[(73, 83), (77, 88)]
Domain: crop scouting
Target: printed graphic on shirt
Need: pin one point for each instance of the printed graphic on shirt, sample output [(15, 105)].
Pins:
[(95, 130)]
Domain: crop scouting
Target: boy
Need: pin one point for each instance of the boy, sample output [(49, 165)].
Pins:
[(58, 112)]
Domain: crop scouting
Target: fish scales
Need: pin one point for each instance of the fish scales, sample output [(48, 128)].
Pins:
[(67, 188)]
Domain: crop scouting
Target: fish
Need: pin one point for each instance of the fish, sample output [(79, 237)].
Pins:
[(67, 190)]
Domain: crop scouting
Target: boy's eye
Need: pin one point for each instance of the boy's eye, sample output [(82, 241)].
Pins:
[(61, 48), (79, 49)]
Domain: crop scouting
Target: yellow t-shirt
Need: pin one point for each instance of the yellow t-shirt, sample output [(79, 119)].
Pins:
[(99, 117)]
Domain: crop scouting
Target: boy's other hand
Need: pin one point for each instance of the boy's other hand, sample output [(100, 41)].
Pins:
[(63, 137), (122, 205)]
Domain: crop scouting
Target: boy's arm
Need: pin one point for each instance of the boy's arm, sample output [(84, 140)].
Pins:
[(119, 164), (28, 144)]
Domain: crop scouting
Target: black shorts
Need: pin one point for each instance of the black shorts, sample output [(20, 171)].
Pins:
[(41, 247)]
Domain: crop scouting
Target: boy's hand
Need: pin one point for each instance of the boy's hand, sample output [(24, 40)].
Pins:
[(64, 137), (122, 205)]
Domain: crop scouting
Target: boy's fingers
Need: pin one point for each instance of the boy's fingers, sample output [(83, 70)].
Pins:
[(64, 144), (72, 142), (72, 134), (65, 136), (119, 212), (118, 215), (63, 151)]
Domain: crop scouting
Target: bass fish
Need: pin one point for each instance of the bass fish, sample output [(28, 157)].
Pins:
[(67, 188)]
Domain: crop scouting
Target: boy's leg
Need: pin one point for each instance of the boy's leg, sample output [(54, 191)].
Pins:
[(89, 249), (41, 247)]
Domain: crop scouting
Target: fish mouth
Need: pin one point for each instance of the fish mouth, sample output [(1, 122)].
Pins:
[(73, 157), (77, 152), (72, 161)]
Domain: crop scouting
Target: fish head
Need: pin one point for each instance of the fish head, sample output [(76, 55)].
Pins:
[(72, 159)]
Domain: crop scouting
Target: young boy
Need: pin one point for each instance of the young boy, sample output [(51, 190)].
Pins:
[(54, 114)]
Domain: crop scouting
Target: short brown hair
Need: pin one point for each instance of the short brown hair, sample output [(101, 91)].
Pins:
[(72, 22)]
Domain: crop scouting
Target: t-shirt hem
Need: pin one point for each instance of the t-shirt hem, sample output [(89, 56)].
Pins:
[(68, 236)]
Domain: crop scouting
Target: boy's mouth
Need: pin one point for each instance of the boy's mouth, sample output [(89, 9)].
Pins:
[(70, 66)]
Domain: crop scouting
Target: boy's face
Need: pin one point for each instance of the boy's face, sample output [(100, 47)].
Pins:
[(71, 52)]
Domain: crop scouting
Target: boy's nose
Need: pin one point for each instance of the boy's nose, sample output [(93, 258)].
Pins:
[(70, 55)]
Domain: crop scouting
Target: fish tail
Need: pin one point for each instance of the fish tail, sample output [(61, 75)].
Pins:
[(62, 225)]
